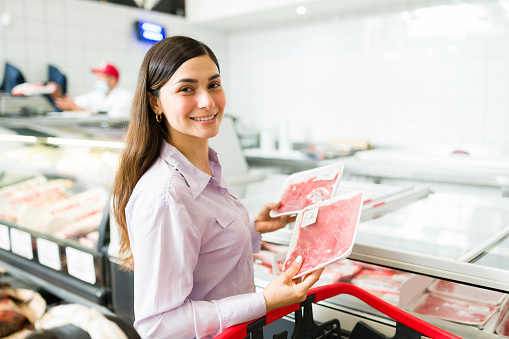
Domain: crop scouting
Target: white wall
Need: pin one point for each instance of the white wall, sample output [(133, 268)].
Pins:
[(422, 72), (383, 74), (76, 35)]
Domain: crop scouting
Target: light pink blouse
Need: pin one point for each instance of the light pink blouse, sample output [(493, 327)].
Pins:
[(192, 242)]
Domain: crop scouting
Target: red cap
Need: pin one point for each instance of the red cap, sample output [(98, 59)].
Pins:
[(106, 68)]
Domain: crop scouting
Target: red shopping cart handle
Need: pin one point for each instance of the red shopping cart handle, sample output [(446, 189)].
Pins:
[(328, 291)]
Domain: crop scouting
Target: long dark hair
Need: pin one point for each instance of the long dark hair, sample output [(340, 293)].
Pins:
[(144, 133)]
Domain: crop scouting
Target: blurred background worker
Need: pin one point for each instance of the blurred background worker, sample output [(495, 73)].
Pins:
[(106, 97)]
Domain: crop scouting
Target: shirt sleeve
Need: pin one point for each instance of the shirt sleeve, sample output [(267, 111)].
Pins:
[(84, 101), (256, 237), (166, 246)]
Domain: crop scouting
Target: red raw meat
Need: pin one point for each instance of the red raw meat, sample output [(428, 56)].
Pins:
[(347, 269), (466, 292), (454, 309), (300, 195), (338, 272), (503, 326), (381, 282), (504, 329), (330, 236)]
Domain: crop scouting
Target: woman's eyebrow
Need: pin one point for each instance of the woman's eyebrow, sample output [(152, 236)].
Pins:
[(215, 76)]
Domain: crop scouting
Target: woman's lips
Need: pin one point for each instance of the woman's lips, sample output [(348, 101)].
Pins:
[(208, 118)]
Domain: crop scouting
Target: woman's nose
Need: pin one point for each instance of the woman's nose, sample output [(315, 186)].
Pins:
[(205, 101)]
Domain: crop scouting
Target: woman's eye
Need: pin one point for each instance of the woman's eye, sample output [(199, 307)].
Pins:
[(215, 85), (185, 89)]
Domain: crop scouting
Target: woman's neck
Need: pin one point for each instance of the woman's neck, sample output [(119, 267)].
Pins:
[(196, 151)]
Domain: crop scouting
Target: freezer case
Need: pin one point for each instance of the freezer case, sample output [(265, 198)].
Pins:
[(55, 178), (411, 246)]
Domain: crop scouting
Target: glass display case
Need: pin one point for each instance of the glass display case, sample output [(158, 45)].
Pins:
[(55, 181), (420, 240)]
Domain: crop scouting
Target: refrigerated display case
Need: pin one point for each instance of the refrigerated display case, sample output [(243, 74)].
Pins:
[(55, 178), (468, 169), (436, 237), (409, 230)]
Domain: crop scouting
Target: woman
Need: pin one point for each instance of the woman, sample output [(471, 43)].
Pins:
[(183, 231)]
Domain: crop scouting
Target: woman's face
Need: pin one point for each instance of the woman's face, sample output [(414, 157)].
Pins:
[(192, 100)]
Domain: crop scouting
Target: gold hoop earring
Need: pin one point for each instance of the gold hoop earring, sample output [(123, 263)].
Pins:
[(159, 117)]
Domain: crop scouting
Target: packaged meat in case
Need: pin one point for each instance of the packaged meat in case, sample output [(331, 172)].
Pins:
[(309, 187), (338, 272), (452, 309), (502, 328), (381, 282), (269, 260), (466, 292), (325, 232)]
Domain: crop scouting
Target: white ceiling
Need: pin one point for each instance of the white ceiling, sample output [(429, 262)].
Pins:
[(287, 13)]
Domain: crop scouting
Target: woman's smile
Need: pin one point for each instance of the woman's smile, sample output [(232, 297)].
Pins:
[(205, 119)]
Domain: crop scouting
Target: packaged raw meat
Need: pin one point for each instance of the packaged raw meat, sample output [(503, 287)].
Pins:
[(23, 201), (466, 292), (381, 282), (346, 269), (309, 187), (328, 277), (40, 218), (90, 240), (338, 272), (269, 259), (503, 324), (8, 191), (77, 223), (325, 232), (456, 310)]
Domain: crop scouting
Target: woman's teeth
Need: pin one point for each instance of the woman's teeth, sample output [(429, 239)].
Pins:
[(205, 119)]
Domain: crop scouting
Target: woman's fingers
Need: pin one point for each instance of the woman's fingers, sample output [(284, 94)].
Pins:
[(311, 278), (292, 271), (271, 206)]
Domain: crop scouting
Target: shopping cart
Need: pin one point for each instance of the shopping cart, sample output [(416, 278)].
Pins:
[(407, 325)]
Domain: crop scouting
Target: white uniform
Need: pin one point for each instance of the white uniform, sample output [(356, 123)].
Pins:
[(117, 104)]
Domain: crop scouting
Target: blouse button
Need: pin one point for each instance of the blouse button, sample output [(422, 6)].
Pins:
[(226, 195)]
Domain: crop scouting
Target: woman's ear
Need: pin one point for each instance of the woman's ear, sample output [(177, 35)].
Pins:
[(153, 102)]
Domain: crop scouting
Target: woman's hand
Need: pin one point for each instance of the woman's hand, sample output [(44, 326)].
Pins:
[(285, 290), (265, 223)]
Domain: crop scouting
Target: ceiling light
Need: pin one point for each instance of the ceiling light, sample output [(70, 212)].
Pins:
[(301, 10)]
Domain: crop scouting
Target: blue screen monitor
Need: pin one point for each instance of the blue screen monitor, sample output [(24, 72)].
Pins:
[(150, 32), (60, 79), (12, 77), (56, 76)]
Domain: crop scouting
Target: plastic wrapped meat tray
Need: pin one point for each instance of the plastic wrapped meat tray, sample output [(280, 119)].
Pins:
[(503, 324), (383, 283), (456, 310), (325, 232), (339, 272), (466, 292), (309, 187)]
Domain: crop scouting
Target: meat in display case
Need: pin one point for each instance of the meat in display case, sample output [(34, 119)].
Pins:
[(439, 256), (54, 198), (421, 251)]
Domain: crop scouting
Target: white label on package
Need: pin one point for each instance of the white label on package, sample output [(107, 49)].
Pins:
[(80, 265), (329, 174), (479, 308), (48, 254), (309, 217), (5, 242), (21, 243)]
